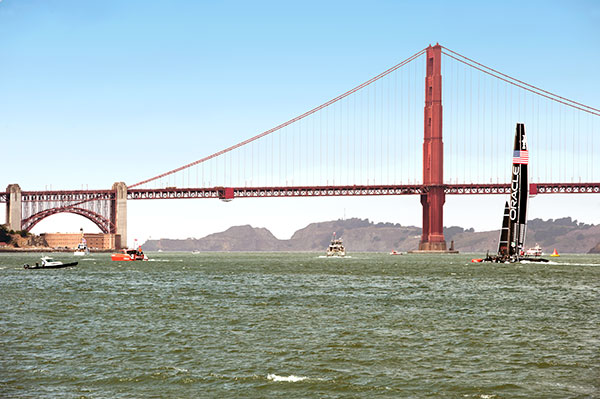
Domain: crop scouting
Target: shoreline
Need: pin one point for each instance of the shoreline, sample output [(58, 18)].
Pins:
[(39, 250)]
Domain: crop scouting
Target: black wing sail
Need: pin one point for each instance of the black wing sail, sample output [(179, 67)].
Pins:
[(503, 244), (517, 209)]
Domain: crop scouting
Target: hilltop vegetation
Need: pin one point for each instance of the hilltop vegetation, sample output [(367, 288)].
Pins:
[(20, 239)]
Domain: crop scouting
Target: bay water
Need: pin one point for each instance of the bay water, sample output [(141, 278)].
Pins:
[(297, 325)]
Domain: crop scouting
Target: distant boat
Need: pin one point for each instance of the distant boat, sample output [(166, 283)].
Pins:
[(394, 252), (514, 222), (336, 247), (535, 251), (82, 248), (49, 263), (554, 253), (129, 255)]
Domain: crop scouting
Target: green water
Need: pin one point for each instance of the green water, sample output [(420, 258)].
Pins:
[(299, 326)]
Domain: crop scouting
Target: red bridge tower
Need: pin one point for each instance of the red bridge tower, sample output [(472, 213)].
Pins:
[(433, 156)]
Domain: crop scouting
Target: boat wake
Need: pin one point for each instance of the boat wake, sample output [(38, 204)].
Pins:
[(333, 257), (576, 264), (291, 378), (543, 263)]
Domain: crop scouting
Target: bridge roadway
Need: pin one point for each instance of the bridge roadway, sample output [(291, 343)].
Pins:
[(108, 208), (76, 197)]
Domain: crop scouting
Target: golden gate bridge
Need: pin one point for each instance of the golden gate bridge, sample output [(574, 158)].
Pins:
[(374, 140)]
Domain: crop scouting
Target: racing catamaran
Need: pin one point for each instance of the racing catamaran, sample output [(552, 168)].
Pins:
[(514, 223)]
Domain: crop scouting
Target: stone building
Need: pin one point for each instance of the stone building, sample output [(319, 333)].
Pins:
[(94, 241)]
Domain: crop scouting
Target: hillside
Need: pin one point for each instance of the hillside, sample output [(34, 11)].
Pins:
[(595, 250), (10, 239), (361, 235)]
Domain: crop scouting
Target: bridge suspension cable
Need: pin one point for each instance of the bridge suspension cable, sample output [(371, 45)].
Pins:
[(289, 122), (519, 83), (373, 135), (481, 108)]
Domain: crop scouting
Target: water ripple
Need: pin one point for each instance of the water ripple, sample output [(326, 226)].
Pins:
[(295, 325)]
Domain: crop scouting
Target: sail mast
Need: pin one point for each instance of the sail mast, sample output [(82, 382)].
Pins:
[(518, 193)]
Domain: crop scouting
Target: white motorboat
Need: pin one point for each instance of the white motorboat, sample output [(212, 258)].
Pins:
[(336, 247), (82, 248), (535, 251), (49, 263)]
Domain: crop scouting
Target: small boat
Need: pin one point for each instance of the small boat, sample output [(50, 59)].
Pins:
[(82, 248), (394, 252), (554, 253), (535, 251), (129, 255), (336, 247), (514, 222), (49, 263)]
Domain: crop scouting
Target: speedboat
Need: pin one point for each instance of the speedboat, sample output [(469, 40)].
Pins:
[(394, 252), (129, 255), (49, 263)]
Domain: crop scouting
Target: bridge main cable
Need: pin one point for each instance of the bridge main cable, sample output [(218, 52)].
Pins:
[(518, 83), (281, 126)]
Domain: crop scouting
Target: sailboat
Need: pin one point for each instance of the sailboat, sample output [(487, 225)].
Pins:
[(514, 222)]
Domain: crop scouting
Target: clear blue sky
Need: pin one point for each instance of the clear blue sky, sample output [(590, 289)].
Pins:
[(97, 92)]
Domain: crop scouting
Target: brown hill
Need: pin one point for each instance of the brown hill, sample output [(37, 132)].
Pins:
[(360, 235), (595, 250), (20, 239), (237, 238)]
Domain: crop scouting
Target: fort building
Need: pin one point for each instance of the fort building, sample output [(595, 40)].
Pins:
[(97, 241)]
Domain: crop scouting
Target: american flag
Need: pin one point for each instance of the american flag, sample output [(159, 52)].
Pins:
[(521, 157)]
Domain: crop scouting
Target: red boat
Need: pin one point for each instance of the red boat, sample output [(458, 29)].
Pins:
[(129, 255)]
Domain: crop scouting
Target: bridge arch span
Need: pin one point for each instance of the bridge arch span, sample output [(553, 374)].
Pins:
[(103, 223)]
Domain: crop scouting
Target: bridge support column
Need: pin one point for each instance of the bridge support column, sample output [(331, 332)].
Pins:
[(433, 156), (432, 238), (14, 207), (119, 214)]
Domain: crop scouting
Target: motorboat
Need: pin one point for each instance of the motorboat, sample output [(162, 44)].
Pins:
[(82, 248), (129, 255), (535, 251), (49, 263), (394, 252), (336, 247)]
